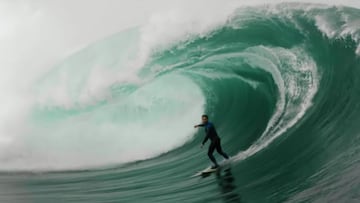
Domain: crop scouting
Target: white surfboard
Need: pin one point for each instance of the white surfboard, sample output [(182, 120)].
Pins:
[(206, 171), (209, 170)]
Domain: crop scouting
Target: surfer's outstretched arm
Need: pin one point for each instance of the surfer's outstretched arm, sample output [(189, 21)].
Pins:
[(199, 125)]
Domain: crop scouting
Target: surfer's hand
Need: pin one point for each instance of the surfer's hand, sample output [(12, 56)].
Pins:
[(195, 126)]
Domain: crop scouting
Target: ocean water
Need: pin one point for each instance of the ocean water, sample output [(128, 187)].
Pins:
[(114, 121)]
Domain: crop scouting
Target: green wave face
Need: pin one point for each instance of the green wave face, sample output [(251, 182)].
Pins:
[(280, 83)]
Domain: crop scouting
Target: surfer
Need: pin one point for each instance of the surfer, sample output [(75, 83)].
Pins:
[(214, 138)]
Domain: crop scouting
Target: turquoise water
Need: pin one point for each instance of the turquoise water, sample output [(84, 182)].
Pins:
[(114, 121)]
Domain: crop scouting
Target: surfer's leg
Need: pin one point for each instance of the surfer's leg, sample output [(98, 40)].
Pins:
[(220, 151), (210, 153)]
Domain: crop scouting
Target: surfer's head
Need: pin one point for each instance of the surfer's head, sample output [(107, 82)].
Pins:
[(204, 118)]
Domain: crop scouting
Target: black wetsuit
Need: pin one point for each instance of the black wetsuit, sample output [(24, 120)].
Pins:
[(215, 142)]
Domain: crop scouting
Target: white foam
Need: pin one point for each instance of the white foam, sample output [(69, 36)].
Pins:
[(325, 26), (339, 25), (286, 114), (152, 120)]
